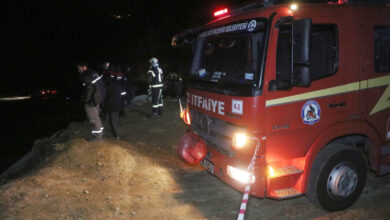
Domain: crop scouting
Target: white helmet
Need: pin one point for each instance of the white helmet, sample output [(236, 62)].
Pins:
[(106, 65), (153, 62)]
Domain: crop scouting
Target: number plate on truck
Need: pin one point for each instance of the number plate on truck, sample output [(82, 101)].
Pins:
[(208, 165)]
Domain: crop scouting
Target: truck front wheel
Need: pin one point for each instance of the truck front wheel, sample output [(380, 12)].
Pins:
[(337, 177)]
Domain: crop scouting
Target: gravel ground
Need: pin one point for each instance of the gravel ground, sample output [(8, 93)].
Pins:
[(141, 177)]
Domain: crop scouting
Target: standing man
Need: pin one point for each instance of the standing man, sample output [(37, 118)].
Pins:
[(156, 75), (113, 103), (93, 95)]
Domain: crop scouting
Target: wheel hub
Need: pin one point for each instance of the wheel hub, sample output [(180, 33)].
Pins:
[(342, 181)]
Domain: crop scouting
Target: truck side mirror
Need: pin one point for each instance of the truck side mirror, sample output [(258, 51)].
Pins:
[(184, 38), (293, 54), (302, 76), (301, 41), (279, 85), (301, 52)]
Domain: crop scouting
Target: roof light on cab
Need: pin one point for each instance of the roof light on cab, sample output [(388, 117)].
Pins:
[(221, 12), (293, 7)]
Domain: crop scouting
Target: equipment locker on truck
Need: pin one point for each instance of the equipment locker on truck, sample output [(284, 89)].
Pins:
[(300, 89)]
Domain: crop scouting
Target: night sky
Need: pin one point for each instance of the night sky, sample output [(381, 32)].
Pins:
[(42, 42)]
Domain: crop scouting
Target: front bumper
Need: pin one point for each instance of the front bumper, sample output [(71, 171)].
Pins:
[(286, 180)]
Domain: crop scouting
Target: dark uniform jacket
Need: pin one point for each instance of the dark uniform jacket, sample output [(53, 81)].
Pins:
[(88, 91), (113, 101), (90, 94)]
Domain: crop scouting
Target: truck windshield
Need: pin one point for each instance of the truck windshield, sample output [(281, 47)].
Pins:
[(228, 62)]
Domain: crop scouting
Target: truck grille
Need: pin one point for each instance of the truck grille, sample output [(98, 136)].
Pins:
[(216, 132)]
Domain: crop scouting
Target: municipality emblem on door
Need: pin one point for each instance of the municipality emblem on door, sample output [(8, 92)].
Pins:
[(311, 112)]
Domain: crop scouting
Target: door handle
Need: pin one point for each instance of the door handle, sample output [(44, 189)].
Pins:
[(337, 105)]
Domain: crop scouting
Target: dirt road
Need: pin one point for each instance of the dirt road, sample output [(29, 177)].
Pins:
[(141, 177)]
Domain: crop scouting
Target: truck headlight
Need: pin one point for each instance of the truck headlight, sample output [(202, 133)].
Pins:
[(242, 176), (239, 140)]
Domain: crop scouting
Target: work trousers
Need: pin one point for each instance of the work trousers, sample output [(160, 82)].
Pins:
[(113, 118), (94, 120), (157, 100)]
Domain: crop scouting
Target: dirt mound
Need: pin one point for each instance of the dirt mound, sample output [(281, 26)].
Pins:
[(74, 180), (94, 158)]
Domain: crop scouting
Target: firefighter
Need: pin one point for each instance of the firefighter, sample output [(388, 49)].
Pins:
[(156, 85), (92, 97)]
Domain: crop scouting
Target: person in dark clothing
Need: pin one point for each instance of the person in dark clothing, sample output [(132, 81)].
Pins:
[(175, 85), (92, 99), (130, 87), (105, 72), (122, 82), (113, 104), (156, 84)]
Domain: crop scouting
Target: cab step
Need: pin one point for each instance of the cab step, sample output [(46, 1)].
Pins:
[(285, 182), (286, 171), (285, 193)]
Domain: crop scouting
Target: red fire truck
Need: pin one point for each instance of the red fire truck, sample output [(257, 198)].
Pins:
[(302, 88)]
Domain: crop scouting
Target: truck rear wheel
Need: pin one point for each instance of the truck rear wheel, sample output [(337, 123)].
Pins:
[(337, 177)]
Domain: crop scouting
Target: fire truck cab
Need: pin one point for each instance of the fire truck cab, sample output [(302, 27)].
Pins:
[(301, 89)]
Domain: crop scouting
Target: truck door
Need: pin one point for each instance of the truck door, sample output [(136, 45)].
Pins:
[(295, 117), (378, 77), (376, 95)]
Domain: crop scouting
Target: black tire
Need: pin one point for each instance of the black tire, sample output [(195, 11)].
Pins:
[(337, 177)]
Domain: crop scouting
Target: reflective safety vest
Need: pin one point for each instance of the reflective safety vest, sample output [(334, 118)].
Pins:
[(157, 77)]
